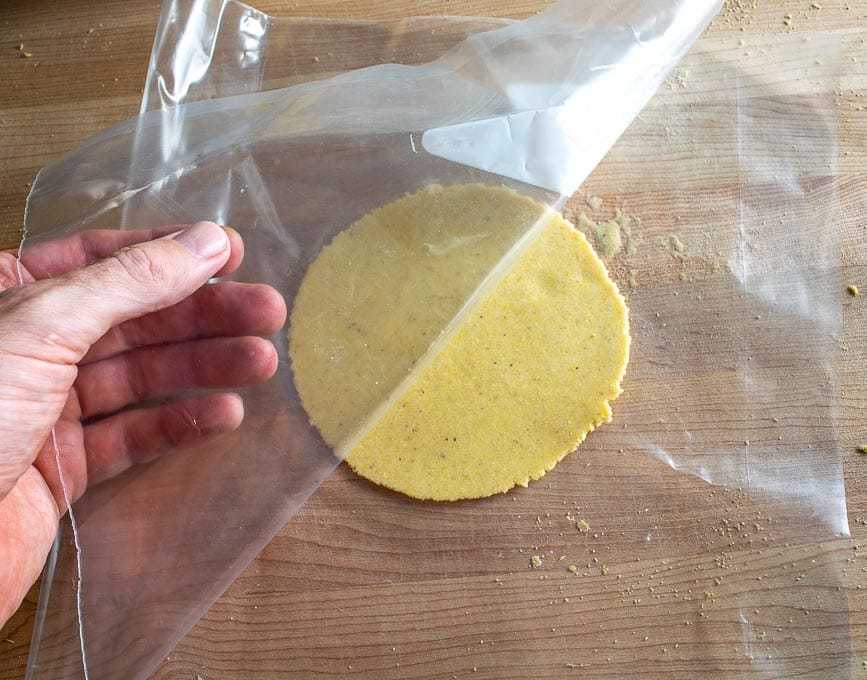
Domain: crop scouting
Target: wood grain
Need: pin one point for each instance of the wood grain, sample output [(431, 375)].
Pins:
[(712, 581)]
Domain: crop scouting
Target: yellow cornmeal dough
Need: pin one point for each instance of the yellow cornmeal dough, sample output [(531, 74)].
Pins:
[(523, 373)]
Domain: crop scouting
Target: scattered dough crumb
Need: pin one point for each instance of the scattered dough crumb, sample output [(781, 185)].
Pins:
[(852, 289), (606, 236), (536, 561), (609, 236), (582, 526), (625, 222), (677, 246), (608, 240), (679, 78)]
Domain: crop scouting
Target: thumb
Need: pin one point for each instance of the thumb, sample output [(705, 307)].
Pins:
[(65, 315)]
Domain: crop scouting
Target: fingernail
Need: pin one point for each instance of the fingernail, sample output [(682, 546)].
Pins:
[(203, 239)]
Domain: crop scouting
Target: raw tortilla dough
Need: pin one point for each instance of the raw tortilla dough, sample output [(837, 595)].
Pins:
[(524, 370)]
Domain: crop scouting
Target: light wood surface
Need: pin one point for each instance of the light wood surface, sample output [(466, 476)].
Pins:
[(364, 583)]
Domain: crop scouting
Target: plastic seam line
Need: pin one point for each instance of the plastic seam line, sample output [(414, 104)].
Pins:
[(78, 599)]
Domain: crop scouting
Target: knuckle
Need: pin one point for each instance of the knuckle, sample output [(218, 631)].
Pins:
[(141, 266), (178, 425)]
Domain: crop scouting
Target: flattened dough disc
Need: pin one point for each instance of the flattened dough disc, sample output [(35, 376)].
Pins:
[(523, 372)]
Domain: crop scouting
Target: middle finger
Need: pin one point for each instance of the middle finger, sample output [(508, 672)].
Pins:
[(227, 308)]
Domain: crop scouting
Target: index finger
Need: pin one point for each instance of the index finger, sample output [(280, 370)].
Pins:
[(49, 258)]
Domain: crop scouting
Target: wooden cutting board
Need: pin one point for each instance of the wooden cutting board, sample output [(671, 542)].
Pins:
[(675, 577)]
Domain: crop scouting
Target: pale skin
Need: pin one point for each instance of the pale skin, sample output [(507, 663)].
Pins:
[(101, 321)]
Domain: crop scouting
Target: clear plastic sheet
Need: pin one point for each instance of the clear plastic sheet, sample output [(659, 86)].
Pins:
[(245, 122)]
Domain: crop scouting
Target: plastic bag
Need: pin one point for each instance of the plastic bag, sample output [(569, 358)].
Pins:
[(234, 130), (714, 500)]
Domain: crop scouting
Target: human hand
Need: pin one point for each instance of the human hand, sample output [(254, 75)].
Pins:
[(105, 320)]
